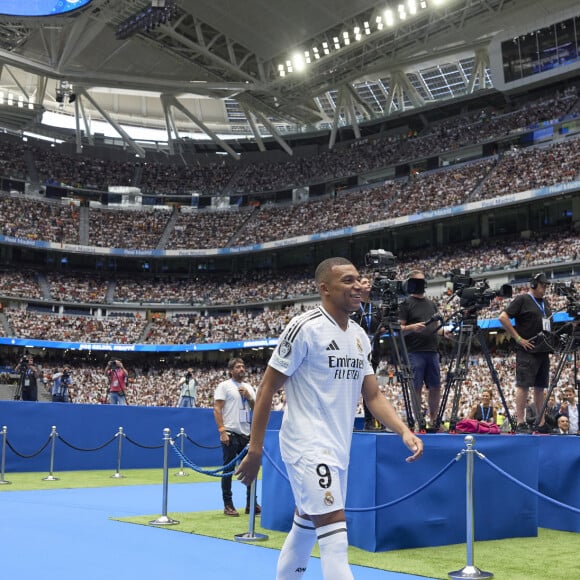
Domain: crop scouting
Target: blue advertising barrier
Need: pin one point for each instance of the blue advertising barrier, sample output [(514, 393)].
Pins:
[(83, 428), (379, 475)]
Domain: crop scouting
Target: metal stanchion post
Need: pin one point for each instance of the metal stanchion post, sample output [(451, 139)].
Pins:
[(3, 460), (250, 535), (164, 519), (119, 436), (181, 473), (470, 571), (53, 436)]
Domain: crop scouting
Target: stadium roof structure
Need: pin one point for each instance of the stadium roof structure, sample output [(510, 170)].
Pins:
[(254, 69)]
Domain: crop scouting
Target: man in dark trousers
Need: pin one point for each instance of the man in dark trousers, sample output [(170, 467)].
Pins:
[(28, 380), (532, 316), (233, 403), (421, 340)]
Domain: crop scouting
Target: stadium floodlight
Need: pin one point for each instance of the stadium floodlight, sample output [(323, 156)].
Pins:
[(412, 6), (298, 62), (389, 17), (336, 42), (367, 28)]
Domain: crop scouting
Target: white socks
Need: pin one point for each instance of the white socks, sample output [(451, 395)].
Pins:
[(333, 544), (296, 550)]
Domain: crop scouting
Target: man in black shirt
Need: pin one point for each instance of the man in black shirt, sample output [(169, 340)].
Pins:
[(422, 341), (532, 316)]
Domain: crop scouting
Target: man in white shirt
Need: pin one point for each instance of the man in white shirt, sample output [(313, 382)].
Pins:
[(233, 404), (323, 361), (187, 389)]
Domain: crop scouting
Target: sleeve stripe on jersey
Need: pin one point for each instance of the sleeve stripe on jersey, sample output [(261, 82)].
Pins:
[(300, 322)]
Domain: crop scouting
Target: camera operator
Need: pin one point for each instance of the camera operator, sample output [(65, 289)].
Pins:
[(188, 389), (117, 378), (61, 383), (532, 314), (419, 324), (369, 320), (28, 380)]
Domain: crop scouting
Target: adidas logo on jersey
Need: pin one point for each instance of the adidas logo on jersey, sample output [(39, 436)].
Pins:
[(332, 346)]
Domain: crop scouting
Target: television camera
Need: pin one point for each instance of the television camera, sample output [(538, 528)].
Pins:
[(386, 291), (568, 290), (474, 295)]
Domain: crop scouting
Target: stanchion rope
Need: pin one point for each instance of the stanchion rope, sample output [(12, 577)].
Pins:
[(218, 472), (87, 448), (385, 505), (526, 487), (140, 444), (200, 445), (24, 456)]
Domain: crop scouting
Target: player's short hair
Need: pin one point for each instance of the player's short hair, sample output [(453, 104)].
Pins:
[(325, 268)]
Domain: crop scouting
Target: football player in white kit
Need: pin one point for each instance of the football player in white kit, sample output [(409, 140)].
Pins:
[(323, 362)]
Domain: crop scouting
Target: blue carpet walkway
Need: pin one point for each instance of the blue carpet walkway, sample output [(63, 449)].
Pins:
[(67, 534)]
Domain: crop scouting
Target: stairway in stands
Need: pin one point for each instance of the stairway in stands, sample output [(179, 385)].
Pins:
[(168, 229), (84, 226)]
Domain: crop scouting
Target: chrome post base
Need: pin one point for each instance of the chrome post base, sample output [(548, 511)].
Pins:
[(163, 521), (247, 537), (470, 572)]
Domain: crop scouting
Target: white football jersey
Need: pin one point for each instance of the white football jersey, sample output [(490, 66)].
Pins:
[(326, 367)]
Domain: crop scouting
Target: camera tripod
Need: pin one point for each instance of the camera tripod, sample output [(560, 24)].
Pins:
[(458, 367), (570, 346), (403, 371), (18, 392)]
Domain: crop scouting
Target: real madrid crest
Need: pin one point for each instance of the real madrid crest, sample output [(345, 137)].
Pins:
[(328, 498)]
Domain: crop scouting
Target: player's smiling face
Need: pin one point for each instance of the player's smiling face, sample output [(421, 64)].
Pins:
[(343, 289)]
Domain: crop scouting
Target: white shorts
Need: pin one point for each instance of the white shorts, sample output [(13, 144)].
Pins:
[(318, 488)]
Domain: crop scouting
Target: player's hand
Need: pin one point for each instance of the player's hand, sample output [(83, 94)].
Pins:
[(414, 444), (248, 469)]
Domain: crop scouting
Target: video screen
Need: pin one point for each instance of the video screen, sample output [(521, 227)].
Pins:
[(40, 7)]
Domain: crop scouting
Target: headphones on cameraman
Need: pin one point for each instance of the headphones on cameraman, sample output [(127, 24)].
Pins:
[(538, 278), (415, 285)]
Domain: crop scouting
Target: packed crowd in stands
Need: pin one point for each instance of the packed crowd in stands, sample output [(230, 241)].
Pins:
[(268, 286), (158, 385), (71, 328), (209, 229), (193, 327), (363, 157), (165, 178), (82, 171), (21, 283), (32, 219), (12, 162), (142, 229), (77, 288)]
